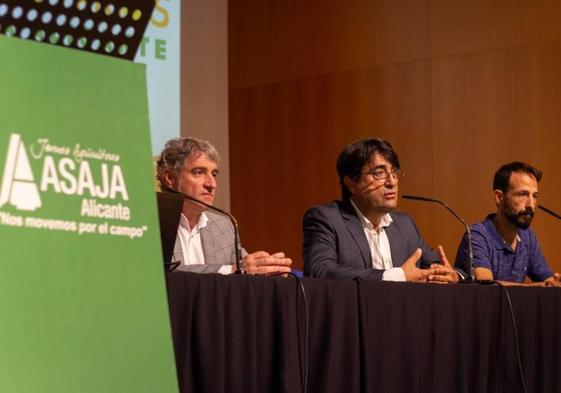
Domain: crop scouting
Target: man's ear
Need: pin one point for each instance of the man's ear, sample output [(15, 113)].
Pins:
[(350, 184), (499, 198), (169, 180)]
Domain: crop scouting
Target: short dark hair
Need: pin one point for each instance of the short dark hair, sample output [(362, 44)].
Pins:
[(357, 154), (502, 176)]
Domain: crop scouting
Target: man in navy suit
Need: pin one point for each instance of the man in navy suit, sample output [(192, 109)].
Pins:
[(361, 236)]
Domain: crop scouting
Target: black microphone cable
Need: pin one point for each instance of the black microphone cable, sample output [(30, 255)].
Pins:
[(514, 325), (487, 282), (303, 363), (516, 338)]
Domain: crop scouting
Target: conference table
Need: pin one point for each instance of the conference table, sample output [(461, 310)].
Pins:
[(275, 334)]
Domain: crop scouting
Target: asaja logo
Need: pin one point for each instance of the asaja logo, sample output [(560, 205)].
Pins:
[(94, 174), (18, 187)]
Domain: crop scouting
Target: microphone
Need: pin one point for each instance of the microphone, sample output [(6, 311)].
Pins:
[(237, 243), (551, 212), (466, 226)]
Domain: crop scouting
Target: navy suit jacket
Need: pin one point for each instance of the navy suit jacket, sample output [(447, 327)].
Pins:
[(335, 245)]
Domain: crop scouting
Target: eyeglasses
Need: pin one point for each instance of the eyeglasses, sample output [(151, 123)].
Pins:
[(383, 174)]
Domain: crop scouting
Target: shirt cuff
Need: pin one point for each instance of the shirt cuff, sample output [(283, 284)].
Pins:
[(394, 274), (226, 269)]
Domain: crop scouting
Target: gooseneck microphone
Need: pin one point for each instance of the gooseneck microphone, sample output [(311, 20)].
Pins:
[(551, 212), (237, 243), (466, 226)]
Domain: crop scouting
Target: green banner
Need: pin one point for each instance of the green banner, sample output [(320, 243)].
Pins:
[(82, 294)]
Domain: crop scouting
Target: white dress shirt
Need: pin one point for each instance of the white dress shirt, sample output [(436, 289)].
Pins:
[(379, 244), (188, 247)]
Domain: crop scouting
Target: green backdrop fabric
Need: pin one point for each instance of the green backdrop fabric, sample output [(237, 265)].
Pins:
[(82, 293)]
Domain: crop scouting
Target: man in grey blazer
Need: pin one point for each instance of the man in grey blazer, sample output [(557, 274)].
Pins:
[(205, 240), (361, 236)]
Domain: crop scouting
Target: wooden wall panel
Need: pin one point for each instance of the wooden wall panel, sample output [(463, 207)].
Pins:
[(321, 37), (397, 31), (458, 87), (537, 82), (477, 25), (463, 26), (406, 102), (307, 124), (451, 137), (204, 80), (490, 92)]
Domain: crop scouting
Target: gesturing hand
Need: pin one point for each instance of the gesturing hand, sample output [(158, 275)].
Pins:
[(412, 272), (443, 273)]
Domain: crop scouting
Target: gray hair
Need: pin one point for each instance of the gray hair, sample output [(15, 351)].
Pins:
[(179, 150)]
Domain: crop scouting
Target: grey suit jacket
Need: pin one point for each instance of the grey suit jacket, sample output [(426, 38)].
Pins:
[(335, 245), (217, 239)]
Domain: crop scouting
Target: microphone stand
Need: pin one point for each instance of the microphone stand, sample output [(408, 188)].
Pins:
[(470, 248), (550, 212), (237, 243)]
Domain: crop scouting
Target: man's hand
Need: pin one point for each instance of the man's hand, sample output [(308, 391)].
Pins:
[(412, 272), (553, 281), (262, 262), (444, 273)]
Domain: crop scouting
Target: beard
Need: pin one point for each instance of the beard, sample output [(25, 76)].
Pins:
[(521, 219)]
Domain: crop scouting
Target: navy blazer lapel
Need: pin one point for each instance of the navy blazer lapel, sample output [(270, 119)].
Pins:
[(356, 230)]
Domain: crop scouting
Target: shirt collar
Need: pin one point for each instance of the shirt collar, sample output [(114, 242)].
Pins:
[(384, 222), (498, 240), (184, 223)]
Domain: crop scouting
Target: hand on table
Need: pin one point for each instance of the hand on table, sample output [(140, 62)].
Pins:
[(262, 262)]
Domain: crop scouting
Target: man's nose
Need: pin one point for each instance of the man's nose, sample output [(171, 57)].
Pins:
[(391, 180), (210, 181)]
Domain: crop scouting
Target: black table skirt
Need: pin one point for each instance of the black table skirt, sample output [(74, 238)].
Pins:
[(247, 334)]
